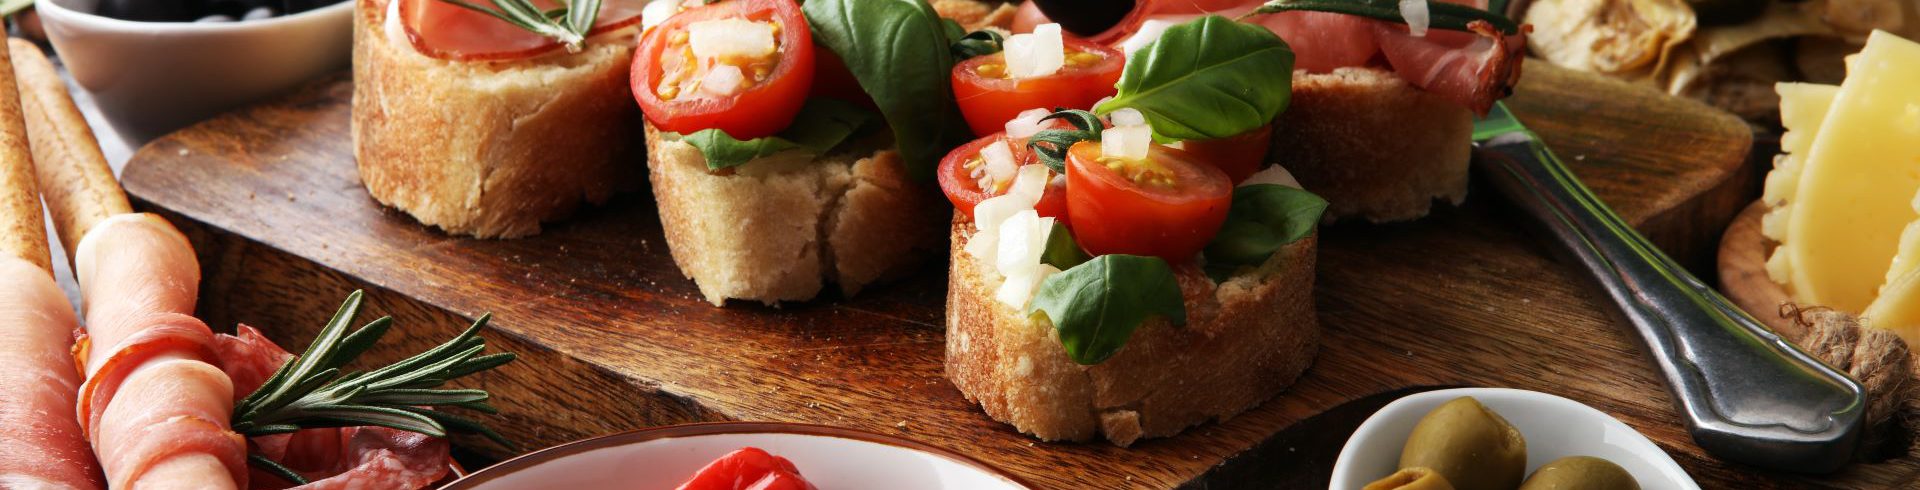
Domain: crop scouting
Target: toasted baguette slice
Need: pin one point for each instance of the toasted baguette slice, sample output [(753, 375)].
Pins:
[(780, 227), (1373, 145), (1245, 340), (491, 149)]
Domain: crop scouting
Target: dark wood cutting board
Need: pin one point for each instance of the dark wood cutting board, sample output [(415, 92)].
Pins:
[(612, 337)]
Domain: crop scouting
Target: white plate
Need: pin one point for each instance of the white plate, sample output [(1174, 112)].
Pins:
[(665, 457), (1554, 427)]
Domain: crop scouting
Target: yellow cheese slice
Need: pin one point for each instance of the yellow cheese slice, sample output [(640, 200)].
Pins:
[(1898, 308), (1803, 107), (1858, 181)]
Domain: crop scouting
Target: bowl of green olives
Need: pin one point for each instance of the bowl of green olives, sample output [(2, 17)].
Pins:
[(1500, 439)]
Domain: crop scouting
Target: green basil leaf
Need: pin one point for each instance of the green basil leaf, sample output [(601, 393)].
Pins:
[(1262, 219), (1062, 252), (978, 43), (1097, 305), (821, 125), (899, 51), (722, 151), (1208, 78)]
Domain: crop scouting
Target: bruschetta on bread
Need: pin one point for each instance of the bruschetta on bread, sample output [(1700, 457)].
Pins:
[(1105, 283), (1382, 111), (790, 149), (479, 126)]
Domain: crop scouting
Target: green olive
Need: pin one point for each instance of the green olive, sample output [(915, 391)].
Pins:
[(1580, 473), (1469, 445), (1411, 479)]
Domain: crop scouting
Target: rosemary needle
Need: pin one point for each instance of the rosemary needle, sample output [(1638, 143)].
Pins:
[(311, 390)]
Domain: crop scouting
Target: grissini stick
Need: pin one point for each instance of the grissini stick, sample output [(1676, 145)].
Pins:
[(79, 187), (45, 447), (23, 231), (154, 405)]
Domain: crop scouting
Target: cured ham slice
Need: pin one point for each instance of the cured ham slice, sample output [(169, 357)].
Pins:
[(154, 405), (41, 445), (447, 31), (1473, 69), (338, 458)]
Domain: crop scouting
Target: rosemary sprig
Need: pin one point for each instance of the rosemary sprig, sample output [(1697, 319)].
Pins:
[(1052, 145), (1440, 15), (568, 24), (311, 390)]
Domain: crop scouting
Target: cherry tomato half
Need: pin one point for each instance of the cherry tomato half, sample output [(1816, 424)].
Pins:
[(1167, 205), (988, 98), (748, 469), (668, 80), (1239, 155), (964, 181)]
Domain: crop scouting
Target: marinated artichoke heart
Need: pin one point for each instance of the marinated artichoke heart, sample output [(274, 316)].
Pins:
[(1630, 39)]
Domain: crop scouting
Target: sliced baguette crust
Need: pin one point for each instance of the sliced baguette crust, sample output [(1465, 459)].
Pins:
[(1373, 145), (778, 228), (1245, 340), (491, 149)]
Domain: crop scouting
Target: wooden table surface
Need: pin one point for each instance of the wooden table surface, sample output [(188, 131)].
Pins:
[(614, 338)]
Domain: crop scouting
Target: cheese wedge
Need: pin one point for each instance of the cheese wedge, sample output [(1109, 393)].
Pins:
[(1898, 308), (1803, 107), (1856, 186)]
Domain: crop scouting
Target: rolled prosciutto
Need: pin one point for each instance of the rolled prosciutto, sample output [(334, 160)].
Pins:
[(41, 445), (155, 404), (332, 458)]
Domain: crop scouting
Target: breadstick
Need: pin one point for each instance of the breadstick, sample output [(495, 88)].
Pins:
[(23, 230), (79, 187)]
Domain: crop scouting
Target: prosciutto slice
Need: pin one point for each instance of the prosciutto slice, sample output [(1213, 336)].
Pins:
[(41, 445), (447, 31), (1472, 69), (154, 405), (339, 458)]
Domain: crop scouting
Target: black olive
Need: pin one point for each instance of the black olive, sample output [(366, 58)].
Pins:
[(232, 8), (1086, 17), (152, 10)]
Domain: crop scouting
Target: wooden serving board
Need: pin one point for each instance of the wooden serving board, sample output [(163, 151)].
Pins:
[(612, 337)]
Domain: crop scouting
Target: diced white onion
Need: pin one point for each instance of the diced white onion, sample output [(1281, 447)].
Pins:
[(1126, 142), (1031, 183), (730, 38), (1022, 237), (1000, 164), (1040, 53), (1272, 175), (1415, 12), (656, 12), (1127, 116), (723, 79), (1149, 32), (1027, 123), (988, 216), (1018, 290)]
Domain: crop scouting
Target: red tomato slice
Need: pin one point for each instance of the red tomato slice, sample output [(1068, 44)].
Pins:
[(961, 178), (989, 99), (447, 31), (773, 92), (1168, 205), (1028, 17), (748, 469), (1239, 155)]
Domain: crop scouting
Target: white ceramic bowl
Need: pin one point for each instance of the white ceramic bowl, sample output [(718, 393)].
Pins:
[(663, 458), (1554, 427), (150, 78)]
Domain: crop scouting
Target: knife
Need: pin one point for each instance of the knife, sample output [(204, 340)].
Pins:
[(1745, 394)]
